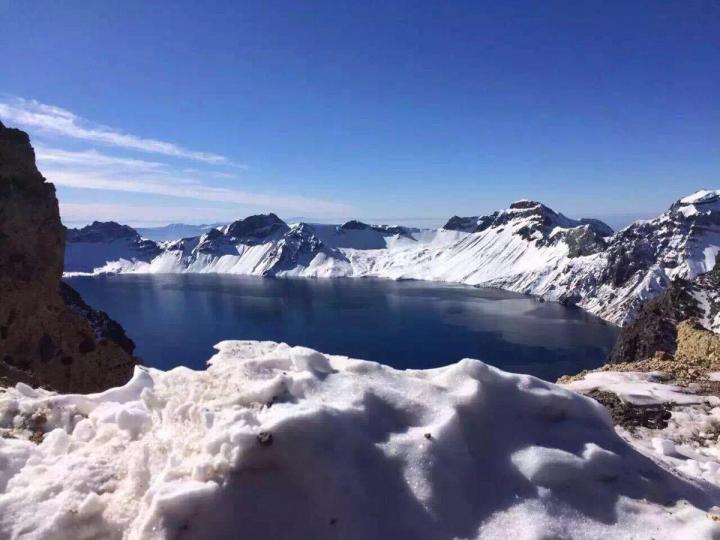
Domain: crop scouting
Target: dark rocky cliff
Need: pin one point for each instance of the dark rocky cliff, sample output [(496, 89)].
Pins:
[(655, 330), (48, 335)]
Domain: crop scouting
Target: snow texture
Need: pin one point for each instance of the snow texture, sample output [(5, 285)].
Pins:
[(690, 444), (273, 441)]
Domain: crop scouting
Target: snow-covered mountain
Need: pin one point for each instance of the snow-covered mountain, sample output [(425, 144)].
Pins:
[(527, 248), (643, 259), (96, 244)]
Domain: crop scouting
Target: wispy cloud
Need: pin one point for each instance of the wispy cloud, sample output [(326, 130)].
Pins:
[(92, 169), (31, 114), (95, 170), (91, 158), (189, 189)]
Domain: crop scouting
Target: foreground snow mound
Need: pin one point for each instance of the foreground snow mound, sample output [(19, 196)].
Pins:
[(279, 442)]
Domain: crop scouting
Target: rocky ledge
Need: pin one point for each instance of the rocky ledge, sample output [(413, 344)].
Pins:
[(48, 335)]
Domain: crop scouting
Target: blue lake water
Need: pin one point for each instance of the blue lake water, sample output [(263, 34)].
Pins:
[(176, 319)]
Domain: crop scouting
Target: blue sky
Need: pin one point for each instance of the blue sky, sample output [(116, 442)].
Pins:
[(152, 112)]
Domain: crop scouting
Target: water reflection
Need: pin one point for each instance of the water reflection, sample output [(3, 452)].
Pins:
[(175, 320)]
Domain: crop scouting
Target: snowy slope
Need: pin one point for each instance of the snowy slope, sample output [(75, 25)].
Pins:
[(97, 244), (646, 256), (689, 441), (526, 248), (278, 442)]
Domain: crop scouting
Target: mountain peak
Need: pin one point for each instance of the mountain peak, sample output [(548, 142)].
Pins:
[(256, 226), (702, 196), (101, 231), (523, 204), (699, 205)]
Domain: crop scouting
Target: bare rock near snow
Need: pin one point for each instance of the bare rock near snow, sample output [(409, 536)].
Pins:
[(46, 338), (655, 328)]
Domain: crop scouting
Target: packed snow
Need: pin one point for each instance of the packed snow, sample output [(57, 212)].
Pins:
[(273, 441), (690, 443), (639, 388), (702, 196)]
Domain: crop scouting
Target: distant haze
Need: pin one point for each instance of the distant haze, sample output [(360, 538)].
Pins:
[(170, 231)]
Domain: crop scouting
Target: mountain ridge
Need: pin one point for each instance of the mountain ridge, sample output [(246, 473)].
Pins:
[(527, 248)]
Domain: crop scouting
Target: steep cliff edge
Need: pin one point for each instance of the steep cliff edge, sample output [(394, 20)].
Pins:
[(48, 335), (673, 323)]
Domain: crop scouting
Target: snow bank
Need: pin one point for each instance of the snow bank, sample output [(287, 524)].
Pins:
[(701, 196), (278, 442), (690, 443), (638, 388)]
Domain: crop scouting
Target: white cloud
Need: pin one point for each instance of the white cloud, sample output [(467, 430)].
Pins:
[(91, 158), (91, 169), (56, 120), (190, 189)]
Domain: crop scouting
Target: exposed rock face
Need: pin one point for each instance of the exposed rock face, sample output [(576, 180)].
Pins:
[(100, 231), (696, 344), (464, 224), (354, 225), (655, 328), (544, 227), (632, 416), (255, 228), (681, 322), (101, 242), (250, 231), (677, 242), (46, 337), (299, 246)]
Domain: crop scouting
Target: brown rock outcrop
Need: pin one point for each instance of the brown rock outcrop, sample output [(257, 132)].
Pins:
[(655, 328), (48, 335), (697, 345)]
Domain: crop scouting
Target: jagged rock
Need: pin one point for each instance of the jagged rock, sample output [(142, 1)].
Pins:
[(631, 416), (100, 231), (253, 229), (103, 242), (543, 226), (697, 345), (600, 227), (465, 224), (471, 224), (655, 328), (46, 337), (213, 241), (690, 306), (299, 246), (354, 225), (673, 241)]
